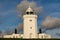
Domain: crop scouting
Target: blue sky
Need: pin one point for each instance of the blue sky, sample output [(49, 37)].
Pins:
[(9, 14)]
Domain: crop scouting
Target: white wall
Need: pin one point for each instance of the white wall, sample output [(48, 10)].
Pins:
[(30, 27), (13, 36), (43, 35)]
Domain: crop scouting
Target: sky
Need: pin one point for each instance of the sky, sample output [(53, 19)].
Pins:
[(9, 14)]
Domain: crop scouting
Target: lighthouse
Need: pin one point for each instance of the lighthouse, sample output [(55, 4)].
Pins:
[(29, 27), (30, 24)]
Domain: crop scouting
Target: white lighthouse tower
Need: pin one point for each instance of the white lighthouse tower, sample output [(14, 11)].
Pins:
[(30, 24)]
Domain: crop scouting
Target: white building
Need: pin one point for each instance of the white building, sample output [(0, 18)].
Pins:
[(29, 27)]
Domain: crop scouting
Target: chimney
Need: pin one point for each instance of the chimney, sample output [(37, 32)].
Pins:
[(15, 31), (40, 31)]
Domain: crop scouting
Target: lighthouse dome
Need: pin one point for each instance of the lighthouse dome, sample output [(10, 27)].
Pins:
[(29, 10)]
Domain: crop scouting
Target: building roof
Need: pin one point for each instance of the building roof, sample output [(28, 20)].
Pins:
[(29, 9)]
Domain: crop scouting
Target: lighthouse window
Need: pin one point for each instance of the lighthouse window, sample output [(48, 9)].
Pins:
[(27, 12), (30, 27), (30, 20), (31, 12)]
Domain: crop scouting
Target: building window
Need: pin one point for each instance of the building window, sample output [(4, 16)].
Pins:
[(27, 12), (16, 36), (42, 36), (31, 12), (30, 20), (30, 27), (13, 36)]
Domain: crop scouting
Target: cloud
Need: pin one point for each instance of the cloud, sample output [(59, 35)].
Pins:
[(20, 27), (25, 4), (51, 22)]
